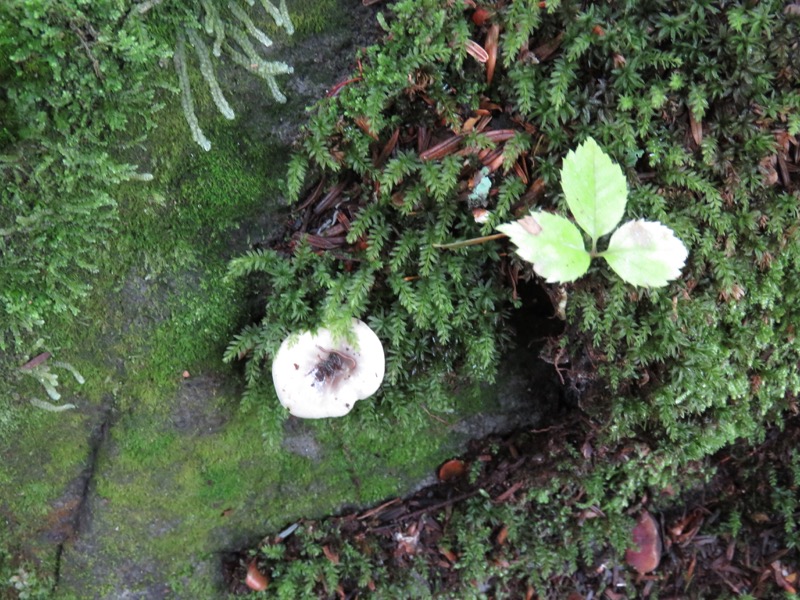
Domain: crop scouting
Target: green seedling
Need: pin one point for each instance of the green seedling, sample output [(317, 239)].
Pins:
[(644, 253)]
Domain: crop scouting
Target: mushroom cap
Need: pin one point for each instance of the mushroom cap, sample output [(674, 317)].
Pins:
[(308, 390)]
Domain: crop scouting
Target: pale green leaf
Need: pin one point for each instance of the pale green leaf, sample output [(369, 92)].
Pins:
[(50, 406), (552, 243), (595, 189), (646, 253)]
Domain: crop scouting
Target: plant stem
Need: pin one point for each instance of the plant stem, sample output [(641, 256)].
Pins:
[(471, 242)]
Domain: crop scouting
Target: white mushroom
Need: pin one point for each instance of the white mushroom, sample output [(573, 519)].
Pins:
[(317, 376)]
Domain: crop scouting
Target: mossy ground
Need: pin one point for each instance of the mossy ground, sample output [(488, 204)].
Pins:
[(156, 471), (181, 471)]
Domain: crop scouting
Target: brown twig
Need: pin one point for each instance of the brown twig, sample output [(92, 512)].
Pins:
[(314, 195), (378, 509), (472, 242), (95, 65), (35, 361), (427, 509), (329, 199)]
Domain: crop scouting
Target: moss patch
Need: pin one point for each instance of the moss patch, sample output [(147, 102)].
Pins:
[(182, 469)]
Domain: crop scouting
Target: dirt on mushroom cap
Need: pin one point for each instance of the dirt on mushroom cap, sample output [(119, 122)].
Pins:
[(317, 376)]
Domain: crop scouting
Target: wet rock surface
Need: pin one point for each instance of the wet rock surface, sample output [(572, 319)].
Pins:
[(197, 410), (527, 390), (300, 440)]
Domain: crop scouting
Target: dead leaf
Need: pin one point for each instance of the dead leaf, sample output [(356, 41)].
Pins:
[(476, 51), (491, 51), (407, 542), (687, 527), (448, 554), (255, 579), (696, 127), (647, 540), (330, 554), (502, 536), (35, 361), (546, 50)]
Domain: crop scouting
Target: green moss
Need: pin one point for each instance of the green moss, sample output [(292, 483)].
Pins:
[(46, 455), (160, 301), (693, 366), (159, 305), (315, 16), (222, 486), (231, 473)]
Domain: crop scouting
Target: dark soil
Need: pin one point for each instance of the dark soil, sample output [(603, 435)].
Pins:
[(697, 561)]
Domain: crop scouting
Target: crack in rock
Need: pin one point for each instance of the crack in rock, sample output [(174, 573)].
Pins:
[(71, 511)]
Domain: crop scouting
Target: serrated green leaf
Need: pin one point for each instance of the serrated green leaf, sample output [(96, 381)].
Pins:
[(552, 243), (595, 189), (646, 253)]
